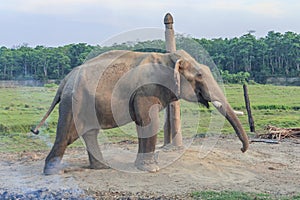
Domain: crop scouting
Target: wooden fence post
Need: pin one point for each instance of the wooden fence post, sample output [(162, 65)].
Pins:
[(172, 127), (248, 107)]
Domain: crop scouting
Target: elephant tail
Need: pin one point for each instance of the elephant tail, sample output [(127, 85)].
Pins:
[(55, 101)]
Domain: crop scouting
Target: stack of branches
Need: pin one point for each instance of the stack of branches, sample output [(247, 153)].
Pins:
[(274, 132)]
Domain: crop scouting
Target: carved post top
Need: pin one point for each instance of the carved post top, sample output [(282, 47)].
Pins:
[(168, 21)]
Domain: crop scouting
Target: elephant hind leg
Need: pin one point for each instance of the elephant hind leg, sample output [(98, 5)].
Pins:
[(66, 134), (93, 150)]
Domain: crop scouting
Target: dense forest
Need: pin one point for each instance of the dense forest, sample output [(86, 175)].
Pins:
[(275, 55)]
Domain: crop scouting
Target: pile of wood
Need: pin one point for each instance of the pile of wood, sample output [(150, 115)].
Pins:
[(275, 133)]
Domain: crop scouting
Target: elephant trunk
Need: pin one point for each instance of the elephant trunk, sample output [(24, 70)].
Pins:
[(226, 110)]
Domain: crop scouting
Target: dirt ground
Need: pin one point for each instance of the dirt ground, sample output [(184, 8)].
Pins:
[(264, 168)]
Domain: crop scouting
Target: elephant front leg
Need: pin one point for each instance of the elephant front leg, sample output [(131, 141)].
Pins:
[(93, 149), (146, 160), (147, 127)]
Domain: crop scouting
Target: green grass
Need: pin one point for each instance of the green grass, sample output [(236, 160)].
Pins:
[(229, 195), (275, 105), (235, 195), (22, 108)]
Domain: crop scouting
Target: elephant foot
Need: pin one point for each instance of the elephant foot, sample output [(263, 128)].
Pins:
[(53, 167), (149, 167), (171, 148), (95, 162), (98, 165), (146, 162)]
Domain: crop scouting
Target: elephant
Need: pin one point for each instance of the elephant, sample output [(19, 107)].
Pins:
[(118, 87)]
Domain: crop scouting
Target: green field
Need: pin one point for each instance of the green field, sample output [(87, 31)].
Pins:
[(22, 108)]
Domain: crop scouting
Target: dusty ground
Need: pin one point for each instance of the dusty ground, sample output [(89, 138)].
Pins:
[(267, 168)]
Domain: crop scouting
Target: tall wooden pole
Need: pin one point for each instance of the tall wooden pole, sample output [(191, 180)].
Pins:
[(172, 127)]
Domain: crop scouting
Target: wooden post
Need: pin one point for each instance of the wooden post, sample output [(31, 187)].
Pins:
[(248, 107), (172, 127)]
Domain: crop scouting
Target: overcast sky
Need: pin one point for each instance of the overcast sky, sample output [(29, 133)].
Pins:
[(60, 22)]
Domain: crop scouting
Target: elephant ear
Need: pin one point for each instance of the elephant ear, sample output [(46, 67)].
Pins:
[(178, 64), (175, 56)]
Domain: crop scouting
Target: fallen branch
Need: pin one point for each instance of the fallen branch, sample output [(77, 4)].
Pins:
[(265, 141), (274, 132)]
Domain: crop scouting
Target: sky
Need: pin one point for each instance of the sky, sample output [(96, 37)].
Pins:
[(61, 22)]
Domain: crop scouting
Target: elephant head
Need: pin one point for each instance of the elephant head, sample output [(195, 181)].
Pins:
[(198, 85)]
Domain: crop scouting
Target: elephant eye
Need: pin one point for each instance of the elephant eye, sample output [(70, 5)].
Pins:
[(199, 75)]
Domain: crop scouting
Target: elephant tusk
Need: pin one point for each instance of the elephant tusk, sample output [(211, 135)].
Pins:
[(217, 104), (238, 112)]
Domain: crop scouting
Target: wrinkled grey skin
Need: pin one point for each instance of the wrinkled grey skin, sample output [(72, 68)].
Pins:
[(118, 87)]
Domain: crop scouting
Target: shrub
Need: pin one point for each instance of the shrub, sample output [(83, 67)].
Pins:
[(240, 77), (50, 85)]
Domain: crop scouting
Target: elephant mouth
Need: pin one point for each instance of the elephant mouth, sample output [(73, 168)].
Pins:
[(202, 100)]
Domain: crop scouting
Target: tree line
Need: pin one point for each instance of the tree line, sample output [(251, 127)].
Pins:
[(276, 54), (40, 63)]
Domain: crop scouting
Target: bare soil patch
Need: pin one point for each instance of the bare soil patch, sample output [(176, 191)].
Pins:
[(264, 168)]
